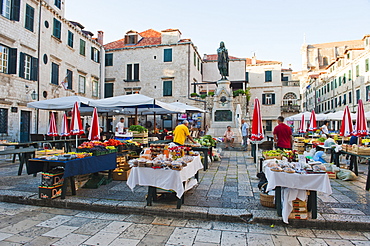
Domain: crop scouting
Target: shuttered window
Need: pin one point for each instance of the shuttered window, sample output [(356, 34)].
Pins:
[(70, 39), (136, 72), (10, 9), (367, 93), (247, 77), (358, 95), (268, 99), (95, 54), (268, 76), (82, 47), (109, 59), (57, 3), (108, 90), (349, 75), (367, 65), (357, 70), (81, 84), (54, 73), (129, 72), (344, 99), (69, 79), (57, 28), (95, 88), (3, 120), (167, 55), (167, 88), (349, 97), (30, 12), (28, 67)]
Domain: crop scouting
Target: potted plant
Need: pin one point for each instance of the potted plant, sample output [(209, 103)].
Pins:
[(194, 94), (238, 92), (211, 93), (203, 96)]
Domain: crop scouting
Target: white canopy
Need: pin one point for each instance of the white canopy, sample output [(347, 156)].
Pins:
[(187, 107), (339, 115), (307, 115), (130, 104), (61, 103)]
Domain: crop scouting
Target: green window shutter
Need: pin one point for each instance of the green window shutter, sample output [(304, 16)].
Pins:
[(344, 78), (167, 88), (92, 53), (332, 84), (349, 75), (57, 28), (167, 57), (30, 12), (1, 6), (15, 9), (34, 68), (268, 76), (70, 39), (357, 70), (129, 72), (54, 74), (57, 3), (195, 59), (263, 99), (335, 83), (345, 99), (367, 65), (349, 97), (136, 72), (367, 92), (69, 79), (98, 61), (109, 59), (273, 98), (340, 81), (82, 47), (247, 77), (21, 64), (12, 60), (108, 90)]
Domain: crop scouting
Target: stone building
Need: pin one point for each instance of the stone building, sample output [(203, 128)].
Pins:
[(277, 92), (157, 64), (39, 49), (343, 82)]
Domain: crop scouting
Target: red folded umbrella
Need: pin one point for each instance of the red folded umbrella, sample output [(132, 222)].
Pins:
[(52, 130), (360, 128), (313, 125), (257, 129), (347, 126), (94, 133), (64, 131), (302, 126), (76, 123)]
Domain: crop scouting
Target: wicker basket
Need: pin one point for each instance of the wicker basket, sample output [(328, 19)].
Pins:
[(266, 200)]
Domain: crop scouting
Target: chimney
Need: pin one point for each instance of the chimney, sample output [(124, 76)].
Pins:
[(254, 59), (100, 37)]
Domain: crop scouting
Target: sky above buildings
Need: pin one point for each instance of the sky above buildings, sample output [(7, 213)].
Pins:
[(273, 30)]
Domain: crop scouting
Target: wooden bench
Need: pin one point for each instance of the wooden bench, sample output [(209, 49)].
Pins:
[(24, 154)]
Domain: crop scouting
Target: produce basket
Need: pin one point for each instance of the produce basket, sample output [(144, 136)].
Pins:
[(266, 199)]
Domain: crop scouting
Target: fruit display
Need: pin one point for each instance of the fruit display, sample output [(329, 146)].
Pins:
[(206, 140)]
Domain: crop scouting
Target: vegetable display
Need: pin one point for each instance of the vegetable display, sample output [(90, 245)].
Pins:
[(206, 140), (138, 128)]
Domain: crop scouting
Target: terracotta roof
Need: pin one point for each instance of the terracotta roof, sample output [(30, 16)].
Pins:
[(149, 37), (249, 62), (350, 43), (213, 57)]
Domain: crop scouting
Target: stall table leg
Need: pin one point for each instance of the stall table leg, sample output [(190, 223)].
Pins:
[(312, 203), (278, 200), (368, 177), (149, 199)]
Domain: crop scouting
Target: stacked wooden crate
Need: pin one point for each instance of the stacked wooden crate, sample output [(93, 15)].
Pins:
[(298, 145), (123, 169), (299, 210), (140, 137)]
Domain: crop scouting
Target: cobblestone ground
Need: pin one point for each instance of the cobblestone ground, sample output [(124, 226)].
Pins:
[(30, 225), (229, 183)]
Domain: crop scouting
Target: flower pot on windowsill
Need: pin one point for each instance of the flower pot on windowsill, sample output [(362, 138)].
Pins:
[(194, 95)]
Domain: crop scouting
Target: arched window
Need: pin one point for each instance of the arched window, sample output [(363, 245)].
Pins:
[(290, 99), (325, 61)]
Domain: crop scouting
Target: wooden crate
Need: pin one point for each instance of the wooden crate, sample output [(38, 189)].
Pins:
[(139, 135), (299, 216), (278, 157), (121, 176), (332, 175), (48, 152), (142, 140)]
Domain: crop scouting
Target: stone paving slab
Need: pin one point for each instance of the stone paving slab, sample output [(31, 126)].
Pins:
[(227, 191)]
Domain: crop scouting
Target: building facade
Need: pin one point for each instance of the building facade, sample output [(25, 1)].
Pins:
[(157, 64), (40, 49), (278, 93)]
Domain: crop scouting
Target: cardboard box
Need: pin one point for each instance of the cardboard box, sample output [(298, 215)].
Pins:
[(299, 203), (121, 176), (50, 192), (52, 179), (299, 210), (332, 175)]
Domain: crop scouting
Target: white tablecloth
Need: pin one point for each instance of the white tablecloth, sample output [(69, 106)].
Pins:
[(165, 179), (294, 186)]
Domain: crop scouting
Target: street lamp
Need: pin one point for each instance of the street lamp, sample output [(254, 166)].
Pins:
[(34, 95)]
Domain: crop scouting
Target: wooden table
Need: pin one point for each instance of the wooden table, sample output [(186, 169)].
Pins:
[(207, 152), (75, 167), (354, 164), (24, 154)]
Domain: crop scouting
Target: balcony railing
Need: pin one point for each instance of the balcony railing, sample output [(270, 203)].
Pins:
[(290, 83), (290, 108)]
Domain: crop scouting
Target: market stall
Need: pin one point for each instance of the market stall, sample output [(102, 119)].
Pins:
[(170, 168)]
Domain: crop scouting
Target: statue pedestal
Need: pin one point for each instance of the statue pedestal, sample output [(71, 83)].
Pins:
[(223, 112)]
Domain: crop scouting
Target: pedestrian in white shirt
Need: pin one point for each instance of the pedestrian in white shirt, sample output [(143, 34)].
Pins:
[(245, 133)]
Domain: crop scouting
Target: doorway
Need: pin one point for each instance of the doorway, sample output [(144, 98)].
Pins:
[(25, 126)]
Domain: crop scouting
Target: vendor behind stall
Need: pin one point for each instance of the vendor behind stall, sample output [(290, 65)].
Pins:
[(181, 132), (120, 127)]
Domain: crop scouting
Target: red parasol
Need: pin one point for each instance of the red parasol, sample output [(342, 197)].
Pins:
[(347, 126), (64, 131), (94, 133), (313, 125), (76, 123), (302, 126), (360, 128), (257, 130), (52, 131)]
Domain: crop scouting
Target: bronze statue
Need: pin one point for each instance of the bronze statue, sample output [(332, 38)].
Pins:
[(223, 60)]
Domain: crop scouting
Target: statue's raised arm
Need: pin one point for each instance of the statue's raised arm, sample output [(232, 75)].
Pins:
[(223, 60)]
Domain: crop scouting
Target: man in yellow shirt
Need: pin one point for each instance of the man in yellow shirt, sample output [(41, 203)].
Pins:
[(181, 132)]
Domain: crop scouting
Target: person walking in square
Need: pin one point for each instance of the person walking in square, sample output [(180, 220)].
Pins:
[(245, 133), (283, 135)]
